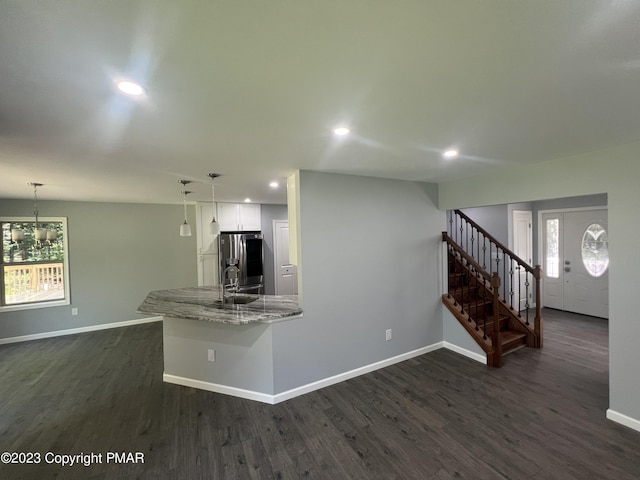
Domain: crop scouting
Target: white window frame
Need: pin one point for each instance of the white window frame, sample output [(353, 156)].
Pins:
[(67, 290)]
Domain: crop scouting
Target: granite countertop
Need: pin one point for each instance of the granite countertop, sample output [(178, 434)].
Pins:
[(203, 303)]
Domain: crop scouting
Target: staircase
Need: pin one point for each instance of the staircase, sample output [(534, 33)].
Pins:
[(489, 289)]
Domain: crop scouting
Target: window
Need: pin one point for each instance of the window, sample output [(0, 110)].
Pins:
[(34, 263), (552, 269), (595, 250)]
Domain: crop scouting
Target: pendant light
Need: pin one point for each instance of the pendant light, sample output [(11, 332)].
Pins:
[(17, 236), (214, 227), (43, 236), (185, 228), (41, 233)]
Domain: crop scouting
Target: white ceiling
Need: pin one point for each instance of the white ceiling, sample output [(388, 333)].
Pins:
[(251, 90)]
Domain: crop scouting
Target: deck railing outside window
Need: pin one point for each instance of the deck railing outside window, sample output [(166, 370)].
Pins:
[(33, 282)]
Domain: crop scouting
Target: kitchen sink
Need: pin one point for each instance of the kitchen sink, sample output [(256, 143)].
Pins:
[(240, 299)]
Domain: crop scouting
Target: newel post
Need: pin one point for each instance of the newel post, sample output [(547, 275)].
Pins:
[(496, 341), (537, 321)]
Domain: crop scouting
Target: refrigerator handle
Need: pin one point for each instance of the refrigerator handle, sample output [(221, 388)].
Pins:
[(243, 261)]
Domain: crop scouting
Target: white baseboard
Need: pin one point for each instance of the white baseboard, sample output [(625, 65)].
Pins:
[(467, 353), (623, 419), (296, 392), (71, 331), (217, 388), (341, 377)]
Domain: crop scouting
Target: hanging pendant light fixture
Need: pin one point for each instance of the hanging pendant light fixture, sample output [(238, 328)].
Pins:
[(185, 228), (43, 236), (17, 236), (41, 233), (214, 226)]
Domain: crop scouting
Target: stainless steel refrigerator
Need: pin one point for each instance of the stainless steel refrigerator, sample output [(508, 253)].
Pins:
[(244, 250)]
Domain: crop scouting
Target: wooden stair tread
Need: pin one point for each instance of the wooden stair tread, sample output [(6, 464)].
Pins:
[(512, 334), (511, 339), (474, 298)]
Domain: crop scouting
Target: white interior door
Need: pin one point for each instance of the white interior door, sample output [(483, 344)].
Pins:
[(286, 280), (523, 248), (576, 260)]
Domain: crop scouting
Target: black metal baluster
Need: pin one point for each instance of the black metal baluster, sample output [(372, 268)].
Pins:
[(526, 301), (455, 277), (449, 276), (455, 233), (497, 270), (476, 297), (519, 268), (472, 240), (464, 276), (466, 236), (512, 289), (484, 252), (469, 293), (504, 276), (484, 307), (469, 305)]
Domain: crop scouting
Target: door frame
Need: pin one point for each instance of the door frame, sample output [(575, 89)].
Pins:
[(529, 257), (540, 230), (275, 252)]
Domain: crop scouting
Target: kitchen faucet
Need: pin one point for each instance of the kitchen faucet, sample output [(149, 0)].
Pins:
[(236, 270)]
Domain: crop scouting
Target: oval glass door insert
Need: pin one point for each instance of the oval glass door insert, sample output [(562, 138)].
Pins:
[(595, 250)]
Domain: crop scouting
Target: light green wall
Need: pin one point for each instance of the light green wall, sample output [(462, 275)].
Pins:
[(117, 254), (615, 171)]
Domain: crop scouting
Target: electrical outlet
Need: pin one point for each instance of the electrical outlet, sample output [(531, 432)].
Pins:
[(387, 336), (211, 355), (74, 311)]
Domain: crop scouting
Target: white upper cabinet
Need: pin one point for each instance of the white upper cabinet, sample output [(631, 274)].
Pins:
[(237, 217), (250, 216)]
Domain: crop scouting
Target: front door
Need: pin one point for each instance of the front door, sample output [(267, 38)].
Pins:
[(576, 260)]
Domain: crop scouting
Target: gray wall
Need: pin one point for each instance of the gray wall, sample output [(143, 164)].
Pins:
[(614, 171), (117, 254), (457, 336), (370, 261), (243, 353), (493, 219), (269, 214)]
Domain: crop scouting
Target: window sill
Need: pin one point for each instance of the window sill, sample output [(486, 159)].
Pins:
[(31, 306)]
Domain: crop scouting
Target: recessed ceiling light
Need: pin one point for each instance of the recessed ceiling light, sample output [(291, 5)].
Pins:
[(451, 153), (341, 131), (274, 185), (131, 88), (247, 200)]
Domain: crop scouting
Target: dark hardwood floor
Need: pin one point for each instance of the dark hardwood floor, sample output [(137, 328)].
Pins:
[(438, 416)]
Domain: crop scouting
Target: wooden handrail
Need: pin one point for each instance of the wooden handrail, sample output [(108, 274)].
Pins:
[(446, 238), (520, 261), (494, 278)]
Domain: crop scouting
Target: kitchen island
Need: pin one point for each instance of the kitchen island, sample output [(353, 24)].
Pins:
[(204, 304), (221, 348)]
